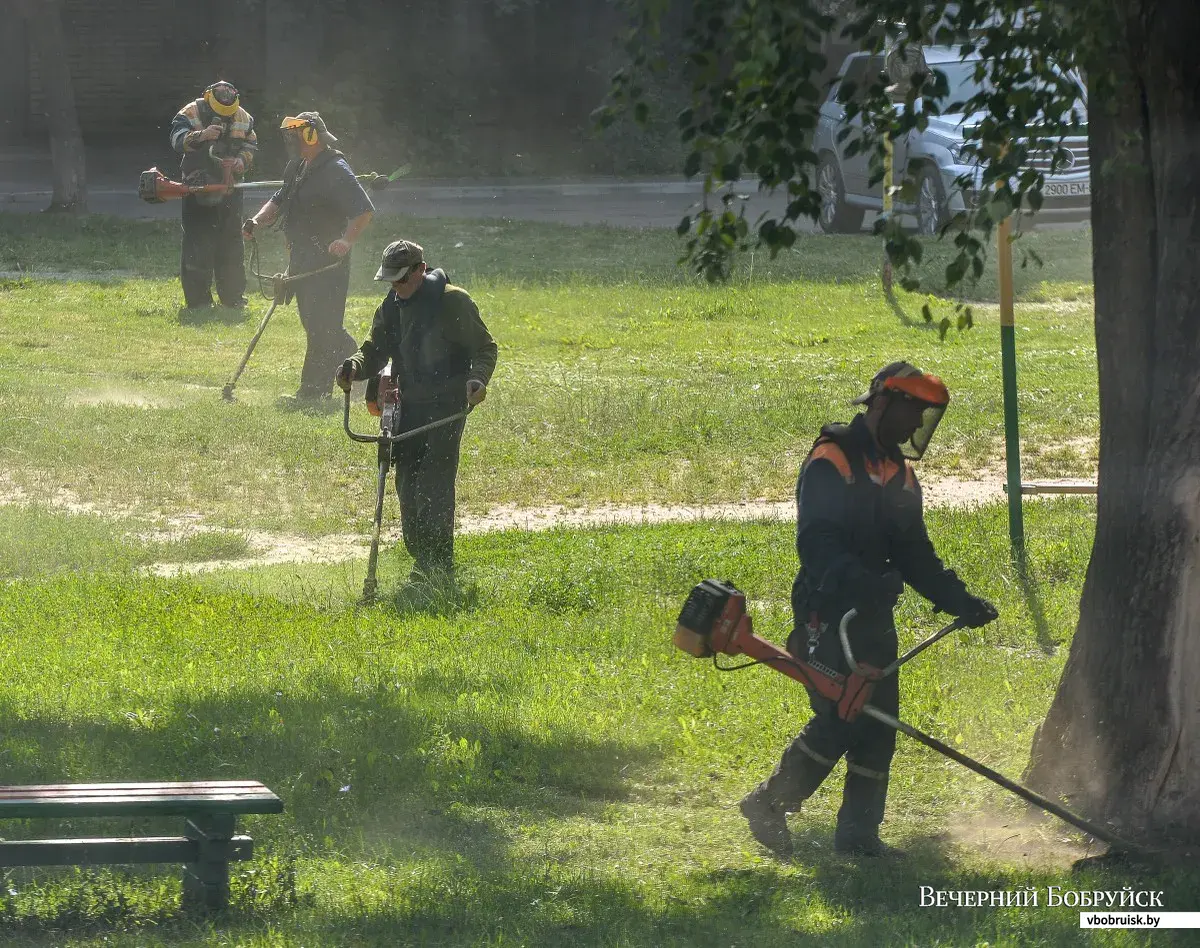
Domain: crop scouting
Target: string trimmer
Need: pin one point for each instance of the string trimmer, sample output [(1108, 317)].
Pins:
[(154, 187), (280, 292), (714, 619), (383, 401)]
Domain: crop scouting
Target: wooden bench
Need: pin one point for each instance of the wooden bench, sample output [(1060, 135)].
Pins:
[(206, 849)]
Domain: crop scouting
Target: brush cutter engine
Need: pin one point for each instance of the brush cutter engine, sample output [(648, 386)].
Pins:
[(383, 401), (714, 620)]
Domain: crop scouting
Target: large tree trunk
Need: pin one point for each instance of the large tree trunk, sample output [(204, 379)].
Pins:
[(66, 140), (1122, 738)]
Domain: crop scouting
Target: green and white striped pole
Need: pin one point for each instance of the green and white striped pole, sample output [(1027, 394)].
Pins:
[(1008, 371)]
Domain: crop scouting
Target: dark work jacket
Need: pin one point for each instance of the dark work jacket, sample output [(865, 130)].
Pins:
[(436, 341), (859, 515)]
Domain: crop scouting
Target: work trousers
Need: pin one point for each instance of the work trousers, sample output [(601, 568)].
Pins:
[(212, 248), (426, 469), (867, 744), (321, 301)]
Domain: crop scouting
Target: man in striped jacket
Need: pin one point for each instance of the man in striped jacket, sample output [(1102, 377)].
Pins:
[(216, 139)]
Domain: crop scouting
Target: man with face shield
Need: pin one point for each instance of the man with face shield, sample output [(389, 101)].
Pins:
[(324, 211), (216, 138), (860, 536)]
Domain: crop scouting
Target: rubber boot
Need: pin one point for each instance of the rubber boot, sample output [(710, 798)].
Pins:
[(794, 780), (863, 801)]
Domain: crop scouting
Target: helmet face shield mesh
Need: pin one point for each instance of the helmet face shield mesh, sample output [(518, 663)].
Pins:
[(224, 93), (914, 447)]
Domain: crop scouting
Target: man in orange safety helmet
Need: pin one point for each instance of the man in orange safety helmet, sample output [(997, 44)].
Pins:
[(860, 537)]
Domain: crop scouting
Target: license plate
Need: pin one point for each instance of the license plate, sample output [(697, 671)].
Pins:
[(1066, 188)]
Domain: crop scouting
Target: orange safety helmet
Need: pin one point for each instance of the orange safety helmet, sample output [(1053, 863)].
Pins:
[(904, 380)]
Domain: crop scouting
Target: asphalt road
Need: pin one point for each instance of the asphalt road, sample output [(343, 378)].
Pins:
[(619, 204), (113, 176)]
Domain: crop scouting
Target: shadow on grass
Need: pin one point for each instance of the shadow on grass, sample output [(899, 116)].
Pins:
[(339, 758), (901, 314), (1031, 592), (214, 315), (435, 599), (402, 770)]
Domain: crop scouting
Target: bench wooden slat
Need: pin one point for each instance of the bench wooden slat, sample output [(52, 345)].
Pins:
[(137, 799), (198, 785), (134, 792), (136, 806), (117, 851)]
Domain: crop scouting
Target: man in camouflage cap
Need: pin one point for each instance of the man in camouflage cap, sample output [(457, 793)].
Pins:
[(443, 357)]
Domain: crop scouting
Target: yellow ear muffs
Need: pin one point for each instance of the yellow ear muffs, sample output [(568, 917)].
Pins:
[(225, 111), (309, 135)]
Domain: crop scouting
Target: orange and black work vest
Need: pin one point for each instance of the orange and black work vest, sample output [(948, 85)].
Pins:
[(858, 515)]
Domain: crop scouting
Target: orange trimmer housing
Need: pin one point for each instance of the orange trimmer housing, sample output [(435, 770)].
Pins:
[(714, 620)]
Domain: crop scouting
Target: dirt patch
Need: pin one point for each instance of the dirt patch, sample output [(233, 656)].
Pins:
[(270, 549), (274, 548)]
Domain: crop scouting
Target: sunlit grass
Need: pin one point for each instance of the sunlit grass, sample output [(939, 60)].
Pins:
[(620, 379)]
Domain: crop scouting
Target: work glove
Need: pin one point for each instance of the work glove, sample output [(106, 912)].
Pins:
[(248, 226), (211, 133), (476, 391), (345, 375), (976, 612)]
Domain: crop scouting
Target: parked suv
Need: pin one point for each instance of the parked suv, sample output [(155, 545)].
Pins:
[(933, 156)]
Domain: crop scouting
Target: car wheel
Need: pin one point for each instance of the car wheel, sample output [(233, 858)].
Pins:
[(837, 217), (931, 202)]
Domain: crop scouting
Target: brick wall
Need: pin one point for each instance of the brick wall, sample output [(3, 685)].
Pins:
[(135, 62)]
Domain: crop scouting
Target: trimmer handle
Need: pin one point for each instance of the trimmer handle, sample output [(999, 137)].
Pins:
[(844, 635), (355, 436), (386, 439)]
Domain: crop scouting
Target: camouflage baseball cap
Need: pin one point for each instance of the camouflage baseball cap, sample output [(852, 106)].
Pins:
[(314, 119), (399, 257)]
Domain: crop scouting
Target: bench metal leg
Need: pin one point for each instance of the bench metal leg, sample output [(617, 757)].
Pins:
[(206, 881)]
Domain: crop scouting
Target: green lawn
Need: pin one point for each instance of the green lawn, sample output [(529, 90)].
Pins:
[(531, 763), (620, 378), (528, 762)]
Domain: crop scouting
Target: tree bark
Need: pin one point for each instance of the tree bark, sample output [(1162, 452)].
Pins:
[(66, 140), (1122, 737)]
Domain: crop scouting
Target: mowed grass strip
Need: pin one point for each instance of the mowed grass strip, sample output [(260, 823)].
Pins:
[(530, 762), (511, 252), (615, 385)]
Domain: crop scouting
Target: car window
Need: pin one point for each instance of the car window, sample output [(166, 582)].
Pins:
[(858, 70), (960, 76)]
